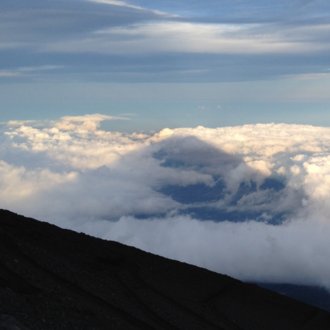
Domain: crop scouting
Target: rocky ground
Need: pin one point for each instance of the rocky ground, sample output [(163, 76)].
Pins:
[(52, 278)]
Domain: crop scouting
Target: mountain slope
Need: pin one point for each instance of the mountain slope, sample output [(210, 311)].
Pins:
[(52, 278), (312, 295)]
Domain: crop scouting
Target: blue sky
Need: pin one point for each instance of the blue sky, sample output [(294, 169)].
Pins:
[(166, 63)]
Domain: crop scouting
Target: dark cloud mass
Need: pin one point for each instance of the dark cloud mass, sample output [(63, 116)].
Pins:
[(249, 201)]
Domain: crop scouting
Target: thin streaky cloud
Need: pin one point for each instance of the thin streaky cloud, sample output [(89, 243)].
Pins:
[(28, 70), (199, 38), (121, 3)]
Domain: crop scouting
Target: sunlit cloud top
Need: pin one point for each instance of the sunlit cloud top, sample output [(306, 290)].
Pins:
[(250, 201)]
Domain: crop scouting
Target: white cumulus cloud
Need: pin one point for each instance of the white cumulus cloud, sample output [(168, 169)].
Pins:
[(250, 201)]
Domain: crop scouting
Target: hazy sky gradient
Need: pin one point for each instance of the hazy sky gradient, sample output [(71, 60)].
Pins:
[(166, 63)]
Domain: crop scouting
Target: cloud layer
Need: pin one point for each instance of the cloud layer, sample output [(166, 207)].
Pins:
[(75, 38), (249, 201)]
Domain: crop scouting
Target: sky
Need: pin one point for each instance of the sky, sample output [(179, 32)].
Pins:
[(166, 63), (197, 130)]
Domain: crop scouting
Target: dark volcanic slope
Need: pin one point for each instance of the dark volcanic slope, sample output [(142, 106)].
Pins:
[(311, 295), (57, 279)]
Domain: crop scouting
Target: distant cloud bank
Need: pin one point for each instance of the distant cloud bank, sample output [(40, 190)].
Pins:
[(249, 201)]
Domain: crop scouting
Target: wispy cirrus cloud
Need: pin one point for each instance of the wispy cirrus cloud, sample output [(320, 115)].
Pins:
[(184, 37), (28, 71), (126, 4), (164, 40)]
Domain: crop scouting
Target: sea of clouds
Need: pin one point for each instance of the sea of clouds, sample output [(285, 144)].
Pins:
[(249, 201)]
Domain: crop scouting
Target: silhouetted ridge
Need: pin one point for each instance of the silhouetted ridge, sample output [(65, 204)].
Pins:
[(52, 278)]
